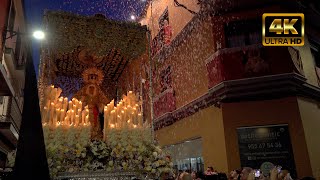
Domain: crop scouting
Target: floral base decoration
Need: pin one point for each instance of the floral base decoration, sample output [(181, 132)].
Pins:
[(125, 150)]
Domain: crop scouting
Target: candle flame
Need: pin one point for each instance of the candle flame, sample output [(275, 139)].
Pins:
[(128, 121), (112, 125), (134, 126)]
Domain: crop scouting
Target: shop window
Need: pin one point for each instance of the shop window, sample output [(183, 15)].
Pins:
[(187, 155), (243, 33), (12, 18)]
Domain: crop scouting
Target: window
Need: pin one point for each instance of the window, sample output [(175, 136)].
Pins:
[(11, 18), (243, 33), (1, 99), (187, 155)]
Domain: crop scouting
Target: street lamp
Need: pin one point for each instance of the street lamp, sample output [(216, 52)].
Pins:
[(38, 34)]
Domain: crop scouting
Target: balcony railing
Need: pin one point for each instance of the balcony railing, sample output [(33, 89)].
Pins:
[(247, 62), (16, 113)]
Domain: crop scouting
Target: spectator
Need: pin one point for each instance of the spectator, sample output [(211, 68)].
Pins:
[(210, 171), (235, 175), (246, 171)]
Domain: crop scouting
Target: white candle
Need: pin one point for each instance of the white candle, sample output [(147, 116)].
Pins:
[(65, 103), (62, 114), (83, 116), (77, 120)]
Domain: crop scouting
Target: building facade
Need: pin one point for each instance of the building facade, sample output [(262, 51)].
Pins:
[(213, 80), (12, 77)]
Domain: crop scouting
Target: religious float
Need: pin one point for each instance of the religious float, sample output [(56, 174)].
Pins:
[(90, 131)]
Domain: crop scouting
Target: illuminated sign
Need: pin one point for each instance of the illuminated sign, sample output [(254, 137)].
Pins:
[(283, 29)]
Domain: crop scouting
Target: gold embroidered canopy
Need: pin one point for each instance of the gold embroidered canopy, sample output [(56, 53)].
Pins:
[(76, 43)]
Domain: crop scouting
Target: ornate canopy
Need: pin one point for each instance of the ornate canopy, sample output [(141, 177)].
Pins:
[(76, 43)]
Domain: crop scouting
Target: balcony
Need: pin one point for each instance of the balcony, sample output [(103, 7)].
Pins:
[(251, 61), (10, 123), (6, 88)]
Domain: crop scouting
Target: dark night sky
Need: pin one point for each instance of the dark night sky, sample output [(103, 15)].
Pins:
[(113, 9)]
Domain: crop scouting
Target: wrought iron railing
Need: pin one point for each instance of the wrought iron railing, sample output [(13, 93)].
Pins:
[(15, 114)]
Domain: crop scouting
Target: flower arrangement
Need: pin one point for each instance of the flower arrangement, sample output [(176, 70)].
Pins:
[(126, 145), (123, 151)]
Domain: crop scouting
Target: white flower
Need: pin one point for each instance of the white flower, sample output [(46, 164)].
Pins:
[(148, 168), (155, 154), (156, 164), (70, 170), (110, 163), (153, 171)]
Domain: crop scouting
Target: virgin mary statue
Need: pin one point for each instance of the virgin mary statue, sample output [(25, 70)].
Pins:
[(92, 96)]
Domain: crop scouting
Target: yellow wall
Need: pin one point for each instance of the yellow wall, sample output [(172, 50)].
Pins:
[(178, 17), (206, 124), (310, 116)]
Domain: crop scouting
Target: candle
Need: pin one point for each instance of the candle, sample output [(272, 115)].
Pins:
[(112, 117), (56, 116), (70, 105), (83, 116), (77, 120), (65, 122), (62, 114), (65, 103), (51, 113), (87, 119), (72, 116), (44, 114), (80, 105), (140, 119)]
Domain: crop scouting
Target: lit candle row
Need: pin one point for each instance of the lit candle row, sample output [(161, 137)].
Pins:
[(58, 111), (125, 115)]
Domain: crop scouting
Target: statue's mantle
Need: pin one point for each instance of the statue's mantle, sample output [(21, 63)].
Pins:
[(101, 175)]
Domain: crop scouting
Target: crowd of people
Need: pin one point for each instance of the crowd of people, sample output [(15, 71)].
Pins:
[(245, 173)]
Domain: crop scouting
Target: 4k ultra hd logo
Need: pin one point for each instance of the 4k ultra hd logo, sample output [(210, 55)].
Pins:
[(283, 29)]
